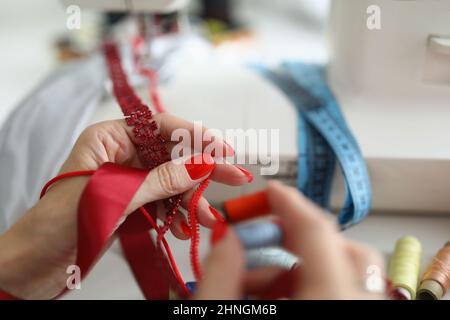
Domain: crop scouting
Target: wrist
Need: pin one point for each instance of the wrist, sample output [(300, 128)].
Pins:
[(16, 255), (36, 251)]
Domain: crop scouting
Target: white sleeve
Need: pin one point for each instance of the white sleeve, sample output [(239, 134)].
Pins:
[(37, 137)]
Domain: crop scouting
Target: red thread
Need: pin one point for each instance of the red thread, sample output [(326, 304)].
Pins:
[(63, 176), (216, 214), (167, 248), (195, 228)]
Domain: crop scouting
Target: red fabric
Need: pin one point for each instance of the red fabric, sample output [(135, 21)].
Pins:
[(110, 191), (6, 296), (102, 206), (100, 212), (146, 261)]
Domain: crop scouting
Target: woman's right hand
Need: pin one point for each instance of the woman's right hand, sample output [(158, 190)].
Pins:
[(331, 266)]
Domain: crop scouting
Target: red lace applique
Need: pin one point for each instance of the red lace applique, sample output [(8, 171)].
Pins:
[(151, 145)]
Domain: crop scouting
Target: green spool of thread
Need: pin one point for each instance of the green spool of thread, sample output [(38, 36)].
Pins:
[(404, 266)]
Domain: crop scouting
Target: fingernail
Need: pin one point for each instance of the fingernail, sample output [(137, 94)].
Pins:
[(247, 174), (185, 228), (199, 166), (216, 214), (218, 232), (230, 149)]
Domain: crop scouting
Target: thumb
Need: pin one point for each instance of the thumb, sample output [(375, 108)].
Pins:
[(172, 178), (224, 268)]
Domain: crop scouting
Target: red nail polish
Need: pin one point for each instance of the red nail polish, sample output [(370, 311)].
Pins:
[(216, 214), (247, 174), (218, 232), (199, 166), (185, 228)]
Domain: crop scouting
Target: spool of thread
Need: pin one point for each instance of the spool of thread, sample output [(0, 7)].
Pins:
[(270, 257), (404, 267), (259, 235), (247, 207), (436, 279)]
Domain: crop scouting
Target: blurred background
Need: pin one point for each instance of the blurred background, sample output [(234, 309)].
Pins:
[(34, 38)]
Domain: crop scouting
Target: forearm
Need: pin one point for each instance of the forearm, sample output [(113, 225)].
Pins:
[(37, 249)]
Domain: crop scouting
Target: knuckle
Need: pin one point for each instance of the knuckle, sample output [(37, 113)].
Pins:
[(90, 130), (97, 129), (167, 180), (161, 119)]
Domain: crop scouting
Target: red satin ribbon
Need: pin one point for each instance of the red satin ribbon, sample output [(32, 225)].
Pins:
[(100, 213), (6, 296), (101, 208)]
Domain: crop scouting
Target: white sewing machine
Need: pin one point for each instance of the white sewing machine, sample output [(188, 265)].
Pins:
[(393, 85)]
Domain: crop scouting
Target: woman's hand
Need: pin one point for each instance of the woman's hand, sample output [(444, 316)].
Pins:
[(331, 266), (36, 251)]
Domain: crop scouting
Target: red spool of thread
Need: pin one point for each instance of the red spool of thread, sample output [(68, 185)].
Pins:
[(247, 207)]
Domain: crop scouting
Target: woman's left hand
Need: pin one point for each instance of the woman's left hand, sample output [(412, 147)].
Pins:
[(36, 251)]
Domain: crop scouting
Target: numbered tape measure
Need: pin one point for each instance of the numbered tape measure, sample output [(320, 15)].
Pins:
[(324, 139)]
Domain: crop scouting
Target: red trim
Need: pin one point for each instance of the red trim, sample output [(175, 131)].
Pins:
[(64, 176)]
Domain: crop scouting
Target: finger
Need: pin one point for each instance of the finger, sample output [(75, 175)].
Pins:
[(259, 280), (369, 269), (176, 131), (179, 227), (205, 216), (172, 178), (312, 236), (224, 270), (363, 257), (107, 141), (225, 172), (231, 174), (171, 129)]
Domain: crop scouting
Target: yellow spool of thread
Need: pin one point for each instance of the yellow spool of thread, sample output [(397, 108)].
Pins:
[(404, 266)]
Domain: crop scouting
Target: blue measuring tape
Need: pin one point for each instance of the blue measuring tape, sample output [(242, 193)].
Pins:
[(324, 139)]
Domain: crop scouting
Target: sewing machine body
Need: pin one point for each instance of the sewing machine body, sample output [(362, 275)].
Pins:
[(394, 87)]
